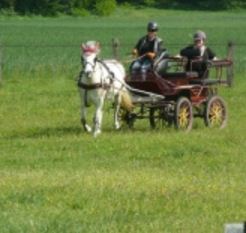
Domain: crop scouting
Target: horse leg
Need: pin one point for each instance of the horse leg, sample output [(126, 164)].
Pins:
[(98, 117), (86, 127), (117, 100)]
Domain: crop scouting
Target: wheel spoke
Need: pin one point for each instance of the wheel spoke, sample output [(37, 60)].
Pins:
[(184, 115), (216, 113)]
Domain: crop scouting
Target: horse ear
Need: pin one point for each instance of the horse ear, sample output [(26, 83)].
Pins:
[(98, 47), (82, 46)]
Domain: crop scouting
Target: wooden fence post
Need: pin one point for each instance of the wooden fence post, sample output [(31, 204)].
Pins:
[(115, 46), (230, 56), (1, 64), (230, 50)]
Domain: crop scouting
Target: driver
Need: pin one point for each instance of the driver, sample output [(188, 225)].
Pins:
[(147, 49), (199, 51)]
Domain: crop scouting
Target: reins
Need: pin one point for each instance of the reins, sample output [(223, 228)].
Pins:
[(93, 86)]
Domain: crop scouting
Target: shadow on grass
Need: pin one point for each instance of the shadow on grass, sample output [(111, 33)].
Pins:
[(45, 132), (77, 130)]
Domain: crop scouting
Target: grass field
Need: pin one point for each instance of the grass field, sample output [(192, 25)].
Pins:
[(56, 178), (33, 45)]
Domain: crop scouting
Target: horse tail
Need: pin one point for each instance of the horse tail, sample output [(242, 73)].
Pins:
[(126, 101)]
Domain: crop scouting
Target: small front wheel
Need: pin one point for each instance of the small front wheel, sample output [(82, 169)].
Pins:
[(154, 118), (159, 118), (183, 114), (215, 115)]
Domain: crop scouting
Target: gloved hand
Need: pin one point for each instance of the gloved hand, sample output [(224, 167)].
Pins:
[(135, 52), (150, 55)]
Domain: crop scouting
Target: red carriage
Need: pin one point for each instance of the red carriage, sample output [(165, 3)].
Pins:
[(175, 97)]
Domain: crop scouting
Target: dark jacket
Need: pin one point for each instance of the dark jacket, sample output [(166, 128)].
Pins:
[(144, 45), (192, 53)]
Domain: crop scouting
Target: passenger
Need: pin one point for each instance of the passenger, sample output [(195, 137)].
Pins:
[(199, 53), (147, 49)]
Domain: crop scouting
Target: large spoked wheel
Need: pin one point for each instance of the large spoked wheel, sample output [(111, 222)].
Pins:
[(215, 115), (158, 118), (183, 114)]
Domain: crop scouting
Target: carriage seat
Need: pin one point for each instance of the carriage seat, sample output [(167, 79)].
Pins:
[(180, 75)]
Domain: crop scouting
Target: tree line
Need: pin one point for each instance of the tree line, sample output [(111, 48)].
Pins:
[(107, 7)]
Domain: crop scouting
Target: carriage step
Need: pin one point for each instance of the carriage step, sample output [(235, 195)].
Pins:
[(205, 82), (144, 100)]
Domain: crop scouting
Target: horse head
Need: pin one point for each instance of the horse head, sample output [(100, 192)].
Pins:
[(90, 50)]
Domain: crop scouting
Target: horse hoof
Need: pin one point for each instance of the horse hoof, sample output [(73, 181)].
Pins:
[(88, 129), (117, 126), (96, 133)]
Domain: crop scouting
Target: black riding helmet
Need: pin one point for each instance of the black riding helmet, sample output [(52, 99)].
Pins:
[(152, 27)]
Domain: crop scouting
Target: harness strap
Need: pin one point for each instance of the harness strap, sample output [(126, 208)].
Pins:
[(97, 85), (107, 68), (86, 99), (93, 86)]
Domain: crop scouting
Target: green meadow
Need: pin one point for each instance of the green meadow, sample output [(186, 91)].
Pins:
[(56, 178)]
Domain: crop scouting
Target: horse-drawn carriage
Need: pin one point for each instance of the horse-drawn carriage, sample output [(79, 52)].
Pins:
[(176, 97), (171, 97)]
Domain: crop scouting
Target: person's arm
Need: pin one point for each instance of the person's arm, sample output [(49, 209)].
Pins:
[(137, 48), (160, 45), (211, 54)]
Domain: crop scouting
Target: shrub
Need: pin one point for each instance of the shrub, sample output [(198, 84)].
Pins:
[(105, 7), (80, 12), (149, 2), (7, 12)]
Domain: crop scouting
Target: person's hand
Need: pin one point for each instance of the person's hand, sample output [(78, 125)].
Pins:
[(177, 56), (134, 53), (150, 55)]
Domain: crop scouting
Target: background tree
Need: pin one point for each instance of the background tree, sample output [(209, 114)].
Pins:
[(106, 7)]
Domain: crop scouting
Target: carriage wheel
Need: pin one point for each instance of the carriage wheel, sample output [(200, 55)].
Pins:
[(158, 118), (215, 115), (183, 114), (155, 118)]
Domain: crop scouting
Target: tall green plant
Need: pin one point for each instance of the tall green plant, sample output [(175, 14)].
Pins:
[(43, 7), (105, 7)]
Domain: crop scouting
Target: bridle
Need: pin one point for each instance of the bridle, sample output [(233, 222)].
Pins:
[(86, 63), (93, 66)]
